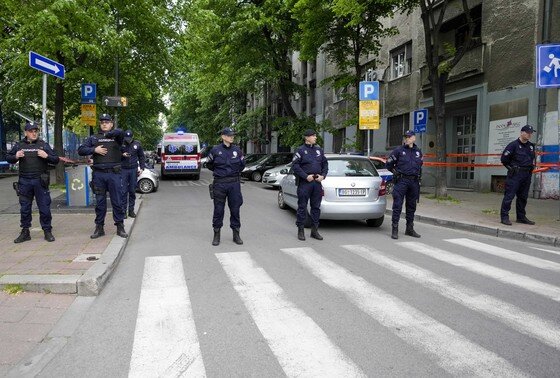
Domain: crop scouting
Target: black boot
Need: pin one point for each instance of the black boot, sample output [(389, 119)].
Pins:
[(315, 233), (236, 238), (395, 231), (216, 240), (98, 232), (48, 235), (131, 213), (410, 231), (23, 236), (300, 233), (120, 231)]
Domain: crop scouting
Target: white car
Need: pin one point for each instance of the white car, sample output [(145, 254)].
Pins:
[(148, 181), (274, 175), (352, 190)]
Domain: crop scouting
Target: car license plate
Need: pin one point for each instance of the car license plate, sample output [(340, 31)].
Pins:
[(181, 165), (352, 192)]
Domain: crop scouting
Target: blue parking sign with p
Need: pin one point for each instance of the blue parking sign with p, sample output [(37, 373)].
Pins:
[(420, 120), (369, 90), (89, 93)]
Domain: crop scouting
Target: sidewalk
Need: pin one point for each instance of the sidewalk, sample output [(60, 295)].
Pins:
[(480, 212)]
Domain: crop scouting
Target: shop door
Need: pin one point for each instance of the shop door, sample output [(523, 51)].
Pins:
[(465, 143)]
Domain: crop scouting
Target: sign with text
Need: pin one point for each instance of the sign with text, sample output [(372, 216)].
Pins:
[(89, 114), (369, 115), (115, 101), (89, 93), (501, 133)]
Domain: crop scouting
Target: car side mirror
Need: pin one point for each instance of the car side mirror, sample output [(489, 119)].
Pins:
[(284, 171)]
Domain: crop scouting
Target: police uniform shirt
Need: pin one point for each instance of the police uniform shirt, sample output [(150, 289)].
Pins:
[(518, 154), (225, 161), (136, 152), (30, 150), (88, 148), (406, 160), (309, 160)]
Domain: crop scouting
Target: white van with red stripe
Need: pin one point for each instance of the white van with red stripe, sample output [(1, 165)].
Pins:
[(180, 155)]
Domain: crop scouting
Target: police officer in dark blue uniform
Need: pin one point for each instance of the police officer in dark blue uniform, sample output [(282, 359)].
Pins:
[(34, 156), (519, 159), (406, 164), (310, 167), (105, 146), (132, 157), (226, 161)]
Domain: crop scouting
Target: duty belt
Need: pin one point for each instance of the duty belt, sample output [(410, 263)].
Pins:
[(107, 170), (410, 177), (525, 169), (220, 180)]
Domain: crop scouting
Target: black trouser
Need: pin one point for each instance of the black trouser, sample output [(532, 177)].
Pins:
[(517, 185)]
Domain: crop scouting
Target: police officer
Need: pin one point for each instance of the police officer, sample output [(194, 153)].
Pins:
[(226, 161), (519, 159), (34, 156), (133, 155), (310, 167), (105, 146), (406, 164)]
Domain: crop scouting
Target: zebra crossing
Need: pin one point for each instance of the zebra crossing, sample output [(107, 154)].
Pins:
[(201, 182), (166, 341)]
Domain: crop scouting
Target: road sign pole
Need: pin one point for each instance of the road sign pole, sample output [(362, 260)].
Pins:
[(44, 116), (558, 125)]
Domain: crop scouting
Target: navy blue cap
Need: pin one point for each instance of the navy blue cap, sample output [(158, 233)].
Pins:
[(105, 117), (409, 133), (128, 134), (309, 132), (30, 126), (527, 129), (228, 131)]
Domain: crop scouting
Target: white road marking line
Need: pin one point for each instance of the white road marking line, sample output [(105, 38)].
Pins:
[(300, 345), (506, 254), (502, 275), (452, 351), (520, 320), (165, 339), (547, 250)]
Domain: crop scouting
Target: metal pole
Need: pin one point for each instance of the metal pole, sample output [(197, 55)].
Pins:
[(558, 99), (44, 119), (116, 121), (368, 149)]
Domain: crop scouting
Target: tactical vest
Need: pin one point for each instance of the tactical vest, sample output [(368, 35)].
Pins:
[(113, 155), (31, 162)]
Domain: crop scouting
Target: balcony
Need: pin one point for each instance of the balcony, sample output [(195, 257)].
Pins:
[(471, 64)]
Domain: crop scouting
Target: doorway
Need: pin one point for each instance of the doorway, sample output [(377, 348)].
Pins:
[(464, 126)]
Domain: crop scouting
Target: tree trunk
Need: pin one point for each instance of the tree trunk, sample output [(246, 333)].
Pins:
[(438, 93), (58, 118)]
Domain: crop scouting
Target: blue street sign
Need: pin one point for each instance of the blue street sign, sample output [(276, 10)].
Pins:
[(369, 90), (46, 65), (420, 120), (548, 66), (89, 93)]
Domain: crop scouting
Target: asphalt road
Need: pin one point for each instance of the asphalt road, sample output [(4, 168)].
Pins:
[(355, 304)]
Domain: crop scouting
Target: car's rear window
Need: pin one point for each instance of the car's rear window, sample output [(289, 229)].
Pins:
[(181, 148), (344, 167)]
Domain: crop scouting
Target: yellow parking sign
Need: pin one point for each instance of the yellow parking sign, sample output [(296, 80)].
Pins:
[(89, 114), (369, 115)]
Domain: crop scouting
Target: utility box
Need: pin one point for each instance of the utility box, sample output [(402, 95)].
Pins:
[(78, 191)]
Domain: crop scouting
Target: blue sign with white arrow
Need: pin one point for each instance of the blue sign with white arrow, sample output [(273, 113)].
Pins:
[(46, 65), (420, 120), (548, 66)]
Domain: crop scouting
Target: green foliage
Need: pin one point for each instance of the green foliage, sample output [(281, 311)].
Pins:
[(12, 289)]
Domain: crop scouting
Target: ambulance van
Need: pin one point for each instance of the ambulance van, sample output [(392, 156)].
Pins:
[(180, 155)]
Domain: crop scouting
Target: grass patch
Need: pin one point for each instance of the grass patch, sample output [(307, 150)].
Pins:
[(12, 289), (58, 187), (490, 211), (443, 199)]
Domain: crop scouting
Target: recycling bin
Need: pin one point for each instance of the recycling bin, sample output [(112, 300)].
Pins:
[(78, 191)]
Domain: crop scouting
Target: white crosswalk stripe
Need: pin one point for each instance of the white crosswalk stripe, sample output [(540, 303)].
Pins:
[(201, 182), (547, 250), (300, 345), (502, 275), (451, 350), (165, 339), (522, 321), (506, 254)]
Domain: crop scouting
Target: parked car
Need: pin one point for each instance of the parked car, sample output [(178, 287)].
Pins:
[(386, 174), (255, 170), (352, 190), (253, 157), (148, 181), (273, 176)]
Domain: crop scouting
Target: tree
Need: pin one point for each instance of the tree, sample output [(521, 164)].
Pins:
[(440, 59)]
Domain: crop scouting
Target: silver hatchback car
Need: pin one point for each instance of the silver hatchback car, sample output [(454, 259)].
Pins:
[(353, 190)]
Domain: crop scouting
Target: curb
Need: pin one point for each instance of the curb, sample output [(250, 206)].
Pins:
[(90, 283), (487, 230)]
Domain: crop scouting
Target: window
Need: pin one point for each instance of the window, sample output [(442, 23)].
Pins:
[(401, 60), (338, 94), (396, 126), (312, 85), (459, 28)]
